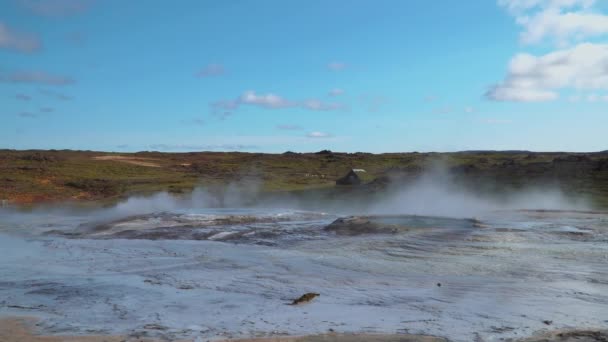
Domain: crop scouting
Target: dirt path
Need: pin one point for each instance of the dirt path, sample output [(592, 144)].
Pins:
[(131, 160)]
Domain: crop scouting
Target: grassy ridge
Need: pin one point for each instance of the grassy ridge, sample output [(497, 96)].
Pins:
[(43, 176)]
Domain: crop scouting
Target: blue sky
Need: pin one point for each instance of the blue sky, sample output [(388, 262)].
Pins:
[(272, 76)]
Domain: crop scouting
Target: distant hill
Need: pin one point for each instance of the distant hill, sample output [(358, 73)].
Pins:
[(494, 151)]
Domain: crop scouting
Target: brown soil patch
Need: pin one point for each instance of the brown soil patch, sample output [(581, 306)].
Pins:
[(44, 181), (26, 198), (16, 330), (21, 330)]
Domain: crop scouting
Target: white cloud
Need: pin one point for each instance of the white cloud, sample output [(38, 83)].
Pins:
[(194, 122), (18, 41), (506, 93), (593, 97), (224, 108), (28, 115), (270, 101), (582, 65), (266, 101), (562, 21), (336, 92), (56, 8), (56, 95), (32, 76), (23, 97), (374, 103), (337, 66), (596, 98), (211, 70), (319, 105), (202, 147), (469, 109), (289, 127), (443, 110), (318, 135), (517, 6), (539, 78), (492, 121), (562, 27)]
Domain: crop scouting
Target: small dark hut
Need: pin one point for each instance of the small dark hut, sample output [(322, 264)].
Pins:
[(351, 178)]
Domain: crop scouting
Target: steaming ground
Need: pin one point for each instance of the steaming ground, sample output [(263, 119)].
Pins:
[(164, 267)]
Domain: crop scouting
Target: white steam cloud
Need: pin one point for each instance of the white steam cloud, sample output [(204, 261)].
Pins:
[(436, 193)]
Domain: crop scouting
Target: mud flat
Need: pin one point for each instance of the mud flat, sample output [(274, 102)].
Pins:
[(193, 226), (520, 274)]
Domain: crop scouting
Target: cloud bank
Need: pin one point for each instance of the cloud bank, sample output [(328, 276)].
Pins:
[(539, 78), (579, 63)]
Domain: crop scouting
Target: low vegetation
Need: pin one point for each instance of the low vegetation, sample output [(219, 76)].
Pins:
[(49, 176)]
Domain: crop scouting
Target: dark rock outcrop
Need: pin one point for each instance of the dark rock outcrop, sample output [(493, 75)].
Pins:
[(359, 225), (305, 298)]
